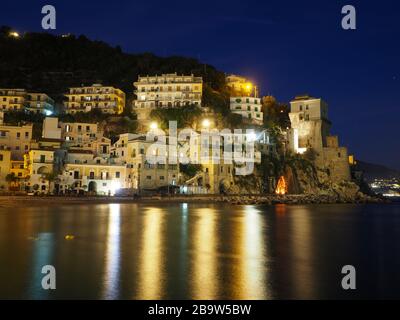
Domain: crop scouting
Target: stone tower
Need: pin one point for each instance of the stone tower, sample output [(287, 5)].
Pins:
[(310, 129)]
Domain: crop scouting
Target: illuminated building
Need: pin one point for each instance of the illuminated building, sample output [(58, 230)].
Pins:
[(5, 166), (310, 130), (39, 162), (93, 176), (132, 150), (248, 107), (105, 98), (85, 136), (166, 91), (16, 139), (20, 99), (39, 103), (241, 86)]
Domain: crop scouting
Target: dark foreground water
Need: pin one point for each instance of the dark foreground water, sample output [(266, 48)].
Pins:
[(187, 251)]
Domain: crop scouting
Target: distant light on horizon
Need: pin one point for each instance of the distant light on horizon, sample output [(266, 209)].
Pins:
[(14, 34)]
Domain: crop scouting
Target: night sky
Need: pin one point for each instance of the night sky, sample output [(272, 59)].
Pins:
[(287, 47)]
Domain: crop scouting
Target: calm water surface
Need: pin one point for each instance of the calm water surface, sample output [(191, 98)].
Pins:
[(200, 251)]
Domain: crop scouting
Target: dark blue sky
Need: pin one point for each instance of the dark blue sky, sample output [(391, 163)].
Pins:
[(287, 47)]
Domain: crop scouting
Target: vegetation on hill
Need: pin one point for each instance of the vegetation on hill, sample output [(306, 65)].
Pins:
[(51, 64), (186, 116)]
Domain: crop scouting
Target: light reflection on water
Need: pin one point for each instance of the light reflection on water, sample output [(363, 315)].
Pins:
[(188, 251), (151, 255), (113, 254)]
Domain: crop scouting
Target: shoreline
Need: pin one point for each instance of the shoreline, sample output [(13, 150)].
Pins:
[(24, 201)]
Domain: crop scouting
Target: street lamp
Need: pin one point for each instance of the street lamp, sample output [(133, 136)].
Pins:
[(206, 123), (153, 125)]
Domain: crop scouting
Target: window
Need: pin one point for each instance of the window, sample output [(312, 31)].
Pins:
[(1, 157), (76, 174), (148, 177), (91, 175), (117, 174), (18, 135), (161, 177), (301, 108)]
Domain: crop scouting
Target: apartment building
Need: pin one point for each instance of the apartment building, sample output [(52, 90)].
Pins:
[(133, 151), (166, 91), (20, 99), (17, 139), (248, 107), (12, 99), (5, 166), (98, 178), (240, 86), (39, 103), (105, 98), (79, 132), (39, 163)]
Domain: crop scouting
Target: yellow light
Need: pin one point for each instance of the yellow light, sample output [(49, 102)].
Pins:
[(249, 86), (14, 34), (153, 125), (206, 123)]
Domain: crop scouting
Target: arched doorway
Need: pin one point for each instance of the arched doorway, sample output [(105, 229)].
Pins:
[(92, 187), (43, 170)]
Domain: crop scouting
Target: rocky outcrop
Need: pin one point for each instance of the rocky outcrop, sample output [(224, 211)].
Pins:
[(306, 184)]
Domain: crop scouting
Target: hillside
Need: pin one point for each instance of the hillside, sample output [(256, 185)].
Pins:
[(48, 63), (376, 171)]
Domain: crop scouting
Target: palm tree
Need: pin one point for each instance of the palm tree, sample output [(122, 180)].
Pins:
[(11, 179), (50, 177)]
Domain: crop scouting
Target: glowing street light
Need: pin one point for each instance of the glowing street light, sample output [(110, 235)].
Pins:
[(14, 34), (206, 123), (153, 125)]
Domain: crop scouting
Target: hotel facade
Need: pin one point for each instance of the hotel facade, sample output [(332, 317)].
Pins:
[(105, 98), (166, 91)]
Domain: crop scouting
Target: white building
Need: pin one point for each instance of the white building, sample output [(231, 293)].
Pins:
[(167, 90), (309, 124), (248, 107)]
